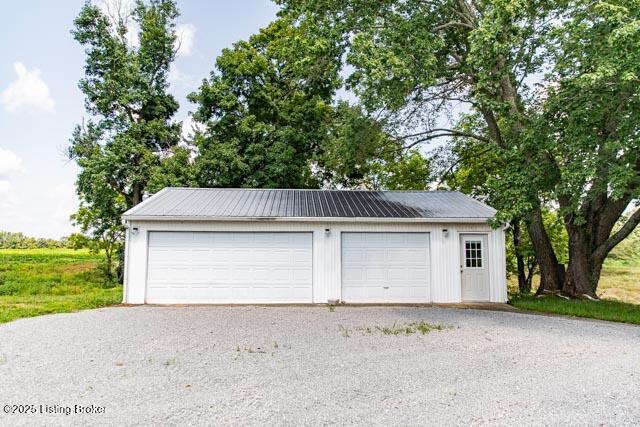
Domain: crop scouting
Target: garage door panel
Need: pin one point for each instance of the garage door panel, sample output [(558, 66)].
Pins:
[(385, 267), (226, 267), (374, 256)]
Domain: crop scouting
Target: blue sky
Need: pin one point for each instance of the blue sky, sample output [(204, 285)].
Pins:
[(40, 101)]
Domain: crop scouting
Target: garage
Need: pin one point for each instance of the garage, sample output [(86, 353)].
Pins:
[(308, 246), (385, 267), (218, 267)]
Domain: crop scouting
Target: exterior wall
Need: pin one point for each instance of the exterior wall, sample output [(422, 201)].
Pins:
[(327, 268)]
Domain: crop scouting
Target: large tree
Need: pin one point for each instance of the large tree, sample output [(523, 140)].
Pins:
[(130, 130), (269, 117), (536, 83)]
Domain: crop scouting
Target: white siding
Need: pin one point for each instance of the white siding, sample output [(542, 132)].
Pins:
[(444, 250)]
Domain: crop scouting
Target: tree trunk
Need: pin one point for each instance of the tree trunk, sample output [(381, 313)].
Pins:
[(583, 272), (547, 261), (136, 196), (524, 287)]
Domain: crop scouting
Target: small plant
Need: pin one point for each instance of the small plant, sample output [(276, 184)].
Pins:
[(275, 344), (345, 332), (410, 328), (365, 330), (421, 327), (332, 308)]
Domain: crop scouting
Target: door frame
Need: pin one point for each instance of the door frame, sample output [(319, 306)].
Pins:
[(485, 260)]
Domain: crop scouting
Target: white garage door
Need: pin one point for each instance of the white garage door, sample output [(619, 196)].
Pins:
[(385, 267), (213, 267)]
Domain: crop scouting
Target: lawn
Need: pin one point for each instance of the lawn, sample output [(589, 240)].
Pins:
[(42, 281), (619, 290)]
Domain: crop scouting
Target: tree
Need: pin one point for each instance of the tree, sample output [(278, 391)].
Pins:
[(269, 116), (266, 110), (130, 131), (589, 133), (515, 67)]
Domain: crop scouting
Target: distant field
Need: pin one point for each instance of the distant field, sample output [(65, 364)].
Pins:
[(42, 281)]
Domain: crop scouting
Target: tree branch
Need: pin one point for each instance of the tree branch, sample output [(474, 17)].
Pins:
[(603, 250), (445, 132)]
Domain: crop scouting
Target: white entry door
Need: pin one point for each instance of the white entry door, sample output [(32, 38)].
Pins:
[(474, 268), (229, 267), (385, 267)]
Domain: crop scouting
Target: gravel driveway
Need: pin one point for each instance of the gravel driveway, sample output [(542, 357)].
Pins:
[(308, 365)]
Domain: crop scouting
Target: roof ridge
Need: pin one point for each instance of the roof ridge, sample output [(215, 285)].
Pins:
[(309, 189)]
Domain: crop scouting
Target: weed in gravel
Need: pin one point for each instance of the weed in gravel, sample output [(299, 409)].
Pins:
[(169, 362), (410, 328), (332, 308), (345, 332), (421, 327)]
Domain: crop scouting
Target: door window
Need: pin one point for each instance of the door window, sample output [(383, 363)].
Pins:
[(473, 253)]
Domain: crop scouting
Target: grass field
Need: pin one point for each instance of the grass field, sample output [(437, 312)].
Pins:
[(619, 290), (42, 281)]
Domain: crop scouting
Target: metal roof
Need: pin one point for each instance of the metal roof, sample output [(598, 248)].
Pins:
[(235, 203)]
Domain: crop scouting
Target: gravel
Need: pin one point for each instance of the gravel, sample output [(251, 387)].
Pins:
[(309, 365)]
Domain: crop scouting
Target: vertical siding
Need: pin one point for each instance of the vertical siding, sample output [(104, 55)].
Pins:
[(445, 286), (136, 267)]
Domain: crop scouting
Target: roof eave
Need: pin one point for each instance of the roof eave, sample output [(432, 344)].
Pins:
[(165, 218)]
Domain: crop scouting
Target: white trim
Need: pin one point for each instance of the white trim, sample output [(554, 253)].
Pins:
[(125, 281)]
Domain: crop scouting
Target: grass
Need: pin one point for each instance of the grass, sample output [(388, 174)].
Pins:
[(619, 290), (421, 327), (44, 281)]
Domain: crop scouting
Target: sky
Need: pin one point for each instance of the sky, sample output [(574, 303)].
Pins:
[(40, 103)]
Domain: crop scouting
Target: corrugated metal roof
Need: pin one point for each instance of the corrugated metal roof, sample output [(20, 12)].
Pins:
[(212, 203)]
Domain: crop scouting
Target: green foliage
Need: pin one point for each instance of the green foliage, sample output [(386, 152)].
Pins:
[(557, 234), (42, 281), (270, 119), (406, 171), (551, 102), (266, 109), (10, 240), (121, 148)]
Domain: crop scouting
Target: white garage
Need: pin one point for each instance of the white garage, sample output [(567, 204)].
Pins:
[(245, 246)]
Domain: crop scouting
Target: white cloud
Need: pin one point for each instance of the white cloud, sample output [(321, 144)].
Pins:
[(9, 202), (27, 91), (185, 34), (178, 78), (10, 164)]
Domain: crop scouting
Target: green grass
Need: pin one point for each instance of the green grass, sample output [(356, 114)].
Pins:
[(619, 290), (611, 310), (43, 281)]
